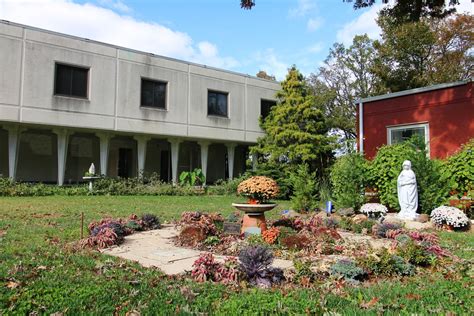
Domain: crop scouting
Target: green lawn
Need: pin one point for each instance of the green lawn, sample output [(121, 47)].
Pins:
[(39, 272)]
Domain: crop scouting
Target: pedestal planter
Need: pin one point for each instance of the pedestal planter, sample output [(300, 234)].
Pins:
[(91, 180), (254, 218)]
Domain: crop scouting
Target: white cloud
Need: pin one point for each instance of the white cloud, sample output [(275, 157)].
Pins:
[(314, 24), (316, 48), (268, 61), (303, 8), (364, 24), (115, 4), (103, 24)]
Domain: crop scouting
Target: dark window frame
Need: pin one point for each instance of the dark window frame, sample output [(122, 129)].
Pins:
[(154, 81), (261, 103), (70, 95), (218, 92)]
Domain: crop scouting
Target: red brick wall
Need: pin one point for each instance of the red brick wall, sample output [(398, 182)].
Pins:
[(449, 113)]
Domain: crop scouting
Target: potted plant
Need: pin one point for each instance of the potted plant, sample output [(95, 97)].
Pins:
[(258, 190)]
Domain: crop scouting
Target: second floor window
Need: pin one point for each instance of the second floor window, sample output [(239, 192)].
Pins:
[(217, 103), (266, 107), (71, 81), (153, 94)]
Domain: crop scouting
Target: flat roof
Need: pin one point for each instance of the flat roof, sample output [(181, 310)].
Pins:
[(133, 50), (413, 91)]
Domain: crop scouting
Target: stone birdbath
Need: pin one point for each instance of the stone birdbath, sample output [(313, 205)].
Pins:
[(254, 217), (91, 177)]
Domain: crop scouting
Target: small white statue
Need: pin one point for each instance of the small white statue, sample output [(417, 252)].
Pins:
[(407, 192), (92, 169)]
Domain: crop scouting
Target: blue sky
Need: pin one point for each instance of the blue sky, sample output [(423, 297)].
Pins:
[(272, 36)]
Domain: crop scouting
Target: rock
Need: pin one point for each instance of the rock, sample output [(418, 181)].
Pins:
[(290, 214), (423, 218), (346, 211), (393, 219), (417, 225), (335, 217), (359, 218)]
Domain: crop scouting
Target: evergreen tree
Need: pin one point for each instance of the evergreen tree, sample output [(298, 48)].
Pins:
[(296, 130)]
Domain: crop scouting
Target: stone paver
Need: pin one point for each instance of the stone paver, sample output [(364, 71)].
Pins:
[(156, 249)]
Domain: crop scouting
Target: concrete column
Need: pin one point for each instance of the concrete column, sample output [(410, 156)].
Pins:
[(230, 159), (63, 137), (254, 161), (142, 142), (14, 133), (104, 151), (174, 159), (204, 155)]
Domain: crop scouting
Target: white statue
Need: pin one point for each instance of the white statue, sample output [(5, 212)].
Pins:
[(407, 192), (92, 169)]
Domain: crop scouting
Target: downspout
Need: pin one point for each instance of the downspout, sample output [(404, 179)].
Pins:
[(361, 128)]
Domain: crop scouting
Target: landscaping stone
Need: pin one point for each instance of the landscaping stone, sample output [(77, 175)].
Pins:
[(408, 224), (155, 248), (423, 218), (359, 218), (346, 211)]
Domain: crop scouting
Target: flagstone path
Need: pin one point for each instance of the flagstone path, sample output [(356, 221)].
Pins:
[(155, 248)]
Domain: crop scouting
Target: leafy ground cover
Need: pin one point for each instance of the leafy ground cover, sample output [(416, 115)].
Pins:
[(40, 272)]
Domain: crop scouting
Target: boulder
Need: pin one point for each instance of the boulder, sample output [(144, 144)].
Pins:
[(290, 214), (423, 218), (359, 218), (349, 211)]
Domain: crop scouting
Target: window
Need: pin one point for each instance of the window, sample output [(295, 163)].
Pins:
[(71, 81), (217, 103), (265, 107), (153, 94), (398, 134)]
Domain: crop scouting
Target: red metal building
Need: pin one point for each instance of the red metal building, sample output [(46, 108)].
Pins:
[(442, 114)]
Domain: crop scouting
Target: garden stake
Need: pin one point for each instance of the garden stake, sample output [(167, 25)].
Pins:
[(82, 225)]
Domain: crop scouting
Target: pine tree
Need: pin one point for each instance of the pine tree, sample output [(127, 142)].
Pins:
[(296, 130)]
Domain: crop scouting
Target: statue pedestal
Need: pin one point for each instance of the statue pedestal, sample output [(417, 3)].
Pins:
[(254, 219), (91, 181)]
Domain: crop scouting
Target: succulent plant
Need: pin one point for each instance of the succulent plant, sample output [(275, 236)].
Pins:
[(255, 263), (348, 270), (151, 221)]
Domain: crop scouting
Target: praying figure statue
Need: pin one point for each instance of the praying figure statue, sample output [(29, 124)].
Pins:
[(407, 192), (92, 169)]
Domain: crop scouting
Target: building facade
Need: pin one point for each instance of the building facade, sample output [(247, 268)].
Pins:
[(443, 115), (67, 102)]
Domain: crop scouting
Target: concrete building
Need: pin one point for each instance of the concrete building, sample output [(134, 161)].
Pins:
[(66, 102)]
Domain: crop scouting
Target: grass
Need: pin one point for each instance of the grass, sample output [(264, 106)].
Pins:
[(40, 273)]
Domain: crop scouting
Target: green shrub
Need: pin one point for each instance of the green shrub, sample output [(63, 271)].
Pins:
[(348, 179), (385, 168), (348, 270), (415, 254), (384, 263), (458, 170), (192, 178), (302, 269), (305, 187)]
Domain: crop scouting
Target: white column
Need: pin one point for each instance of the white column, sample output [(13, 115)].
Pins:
[(254, 161), (142, 142), (204, 155), (174, 159), (230, 158), (63, 136), (14, 133), (104, 151)]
